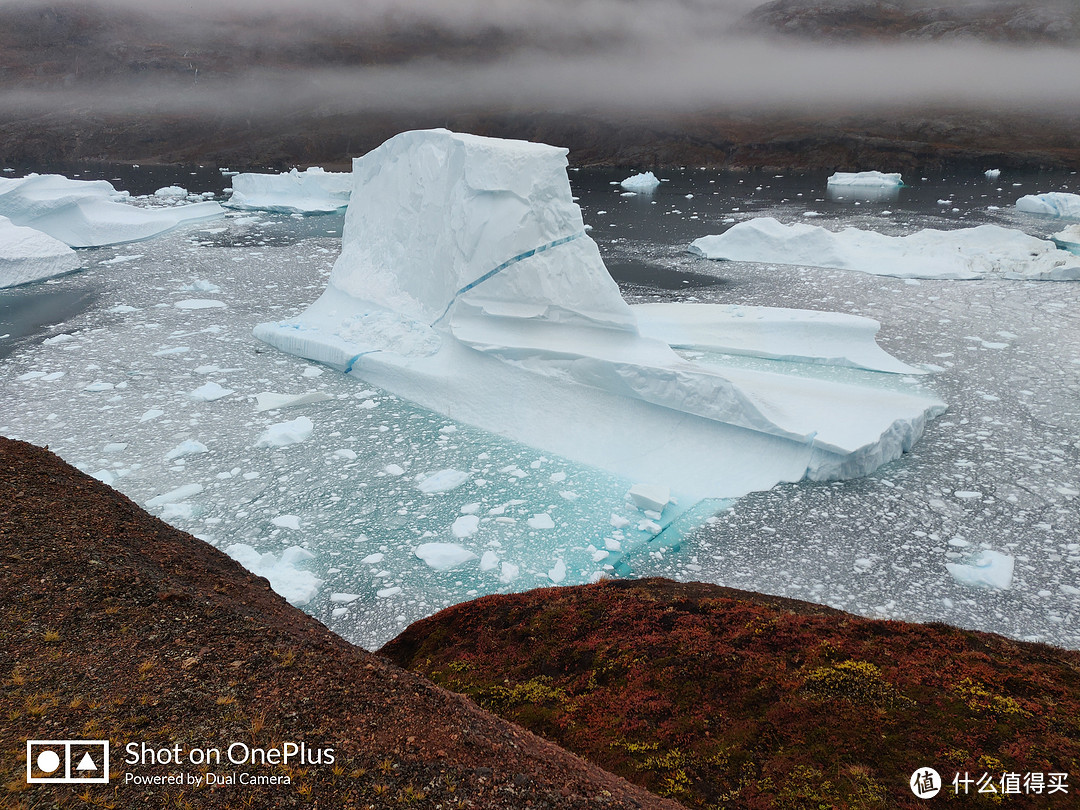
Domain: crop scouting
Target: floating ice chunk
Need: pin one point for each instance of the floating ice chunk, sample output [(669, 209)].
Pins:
[(395, 470), (443, 556), (645, 183), (509, 572), (541, 521), (88, 213), (210, 392), (344, 598), (386, 593), (558, 572), (29, 255), (992, 174), (619, 522), (650, 496), (287, 522), (284, 434), (188, 447), (268, 401), (295, 584), (199, 303), (345, 453), (373, 559), (107, 477), (98, 386), (442, 481), (185, 510), (1052, 204), (866, 179), (465, 526), (991, 569), (313, 191), (471, 260), (967, 253), (153, 413), (489, 561), (171, 192), (175, 495)]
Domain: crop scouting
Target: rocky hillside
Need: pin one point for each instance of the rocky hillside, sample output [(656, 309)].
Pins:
[(724, 699), (115, 626)]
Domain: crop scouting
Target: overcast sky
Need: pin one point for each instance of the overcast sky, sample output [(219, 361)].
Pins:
[(656, 56)]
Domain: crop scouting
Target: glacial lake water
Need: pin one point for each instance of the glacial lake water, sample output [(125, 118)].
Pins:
[(88, 360)]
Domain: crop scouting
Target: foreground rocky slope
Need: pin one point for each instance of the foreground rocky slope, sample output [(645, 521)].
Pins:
[(724, 699), (114, 625)]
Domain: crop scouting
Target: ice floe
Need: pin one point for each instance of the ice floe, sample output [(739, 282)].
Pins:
[(1052, 204), (91, 213), (29, 255), (966, 253), (989, 569), (313, 191), (284, 434), (1068, 239), (444, 556), (468, 285), (866, 179)]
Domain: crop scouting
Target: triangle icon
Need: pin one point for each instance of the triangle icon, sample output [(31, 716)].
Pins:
[(86, 763)]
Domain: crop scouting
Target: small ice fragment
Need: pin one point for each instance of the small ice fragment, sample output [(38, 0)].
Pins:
[(373, 559), (185, 510), (465, 526), (443, 556), (287, 522), (541, 521), (489, 561), (443, 481), (344, 598), (386, 593), (284, 434), (558, 572), (644, 182), (509, 572), (153, 413), (175, 495), (650, 496), (618, 521), (557, 478), (991, 569), (114, 447), (189, 447), (393, 469), (99, 386), (210, 392), (268, 401), (345, 453)]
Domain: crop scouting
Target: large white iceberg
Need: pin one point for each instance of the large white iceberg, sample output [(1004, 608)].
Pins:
[(966, 253), (28, 255), (313, 191), (1053, 204), (468, 285), (91, 213)]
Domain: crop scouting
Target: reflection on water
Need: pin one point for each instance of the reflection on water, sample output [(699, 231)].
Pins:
[(25, 310)]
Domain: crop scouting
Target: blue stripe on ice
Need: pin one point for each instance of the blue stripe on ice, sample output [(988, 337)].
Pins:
[(495, 271), (352, 362)]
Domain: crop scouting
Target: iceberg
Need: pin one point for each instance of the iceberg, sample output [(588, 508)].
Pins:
[(91, 213), (863, 186), (645, 183), (467, 284), (287, 579), (985, 251), (1053, 204), (313, 191), (29, 255), (991, 569), (865, 179)]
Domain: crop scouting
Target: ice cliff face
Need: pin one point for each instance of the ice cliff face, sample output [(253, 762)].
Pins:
[(467, 284)]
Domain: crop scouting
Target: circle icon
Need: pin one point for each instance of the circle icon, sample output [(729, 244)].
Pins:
[(48, 761), (925, 783)]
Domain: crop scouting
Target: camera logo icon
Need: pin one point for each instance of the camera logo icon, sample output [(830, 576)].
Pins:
[(67, 761)]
